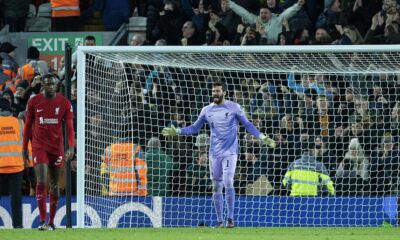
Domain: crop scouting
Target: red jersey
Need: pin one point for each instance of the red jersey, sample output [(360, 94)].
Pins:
[(46, 116)]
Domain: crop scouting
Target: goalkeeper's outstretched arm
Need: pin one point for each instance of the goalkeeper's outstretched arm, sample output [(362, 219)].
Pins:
[(190, 130), (253, 130)]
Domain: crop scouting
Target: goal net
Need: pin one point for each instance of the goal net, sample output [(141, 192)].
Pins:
[(337, 106)]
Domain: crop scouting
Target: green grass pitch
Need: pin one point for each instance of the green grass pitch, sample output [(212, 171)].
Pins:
[(361, 233)]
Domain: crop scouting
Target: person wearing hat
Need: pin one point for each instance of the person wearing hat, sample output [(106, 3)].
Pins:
[(202, 142), (306, 175), (12, 163), (7, 53), (160, 167)]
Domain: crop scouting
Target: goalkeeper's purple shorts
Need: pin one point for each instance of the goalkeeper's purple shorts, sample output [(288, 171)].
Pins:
[(222, 166)]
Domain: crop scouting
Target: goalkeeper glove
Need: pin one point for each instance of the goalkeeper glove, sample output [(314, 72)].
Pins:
[(268, 141), (170, 132)]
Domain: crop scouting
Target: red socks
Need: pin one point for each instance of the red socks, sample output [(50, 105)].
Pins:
[(53, 207), (41, 200)]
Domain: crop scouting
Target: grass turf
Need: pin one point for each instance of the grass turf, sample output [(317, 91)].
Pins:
[(362, 233)]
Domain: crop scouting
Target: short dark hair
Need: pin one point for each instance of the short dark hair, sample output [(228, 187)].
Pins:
[(90, 38), (47, 76), (219, 83)]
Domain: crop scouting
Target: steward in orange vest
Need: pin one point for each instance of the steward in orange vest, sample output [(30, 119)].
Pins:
[(65, 8), (65, 15), (12, 163), (124, 163)]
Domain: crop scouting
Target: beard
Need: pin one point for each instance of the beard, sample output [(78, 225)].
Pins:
[(218, 99)]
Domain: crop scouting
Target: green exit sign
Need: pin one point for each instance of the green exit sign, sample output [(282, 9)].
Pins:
[(55, 43)]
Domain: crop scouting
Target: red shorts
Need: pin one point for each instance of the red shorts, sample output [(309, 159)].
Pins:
[(41, 156)]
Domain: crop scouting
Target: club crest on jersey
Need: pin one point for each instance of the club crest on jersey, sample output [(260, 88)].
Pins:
[(57, 110)]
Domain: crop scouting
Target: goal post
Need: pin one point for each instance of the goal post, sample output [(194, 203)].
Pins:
[(338, 104)]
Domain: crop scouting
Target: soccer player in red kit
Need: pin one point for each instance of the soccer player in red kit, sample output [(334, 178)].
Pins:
[(44, 117)]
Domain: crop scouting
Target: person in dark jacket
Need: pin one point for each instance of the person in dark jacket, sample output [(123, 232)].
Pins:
[(15, 12)]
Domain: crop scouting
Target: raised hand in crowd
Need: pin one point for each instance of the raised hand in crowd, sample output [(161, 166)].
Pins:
[(260, 28), (301, 2), (285, 24), (240, 28), (357, 4), (375, 22), (339, 28)]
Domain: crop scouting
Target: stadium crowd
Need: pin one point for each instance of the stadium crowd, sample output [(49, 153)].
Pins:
[(351, 123)]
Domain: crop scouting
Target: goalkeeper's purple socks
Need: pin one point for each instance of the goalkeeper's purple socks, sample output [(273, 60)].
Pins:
[(218, 205), (230, 201)]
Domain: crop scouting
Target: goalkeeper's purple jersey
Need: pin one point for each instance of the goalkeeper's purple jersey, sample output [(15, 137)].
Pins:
[(224, 123)]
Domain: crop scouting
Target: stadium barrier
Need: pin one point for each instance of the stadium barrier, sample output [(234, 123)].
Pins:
[(171, 212)]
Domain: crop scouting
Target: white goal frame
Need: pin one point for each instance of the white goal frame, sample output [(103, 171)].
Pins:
[(83, 50)]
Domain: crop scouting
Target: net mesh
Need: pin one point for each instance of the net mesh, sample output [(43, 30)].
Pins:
[(341, 107)]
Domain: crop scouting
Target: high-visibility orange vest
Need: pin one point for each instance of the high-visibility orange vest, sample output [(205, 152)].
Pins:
[(26, 72), (127, 170), (9, 73), (65, 8), (11, 129), (8, 84)]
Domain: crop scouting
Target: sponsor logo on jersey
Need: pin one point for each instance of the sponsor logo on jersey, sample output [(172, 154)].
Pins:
[(43, 120), (39, 110)]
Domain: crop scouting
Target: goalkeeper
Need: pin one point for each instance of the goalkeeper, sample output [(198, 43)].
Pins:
[(223, 117)]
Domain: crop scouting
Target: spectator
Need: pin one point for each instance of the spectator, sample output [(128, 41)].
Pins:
[(302, 37), (12, 163), (114, 13), (271, 23), (202, 143), (170, 23), (88, 41), (20, 98), (348, 35), (285, 37), (3, 77), (352, 172), (160, 167), (198, 181), (15, 12), (9, 65), (190, 35), (196, 14), (305, 175), (362, 13), (274, 6), (65, 15), (27, 72), (390, 34), (322, 37), (326, 155), (118, 166), (229, 19), (137, 40), (385, 168), (330, 17)]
